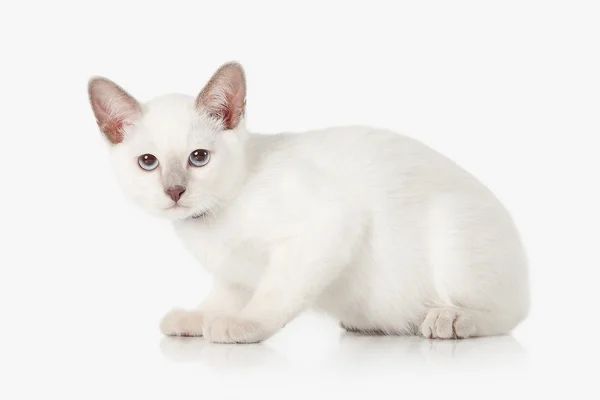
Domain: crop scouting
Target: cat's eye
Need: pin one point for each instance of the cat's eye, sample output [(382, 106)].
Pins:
[(199, 158), (148, 162)]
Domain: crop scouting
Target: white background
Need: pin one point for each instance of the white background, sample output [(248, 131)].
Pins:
[(508, 89)]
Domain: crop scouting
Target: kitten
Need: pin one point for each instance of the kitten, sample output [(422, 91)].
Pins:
[(374, 228)]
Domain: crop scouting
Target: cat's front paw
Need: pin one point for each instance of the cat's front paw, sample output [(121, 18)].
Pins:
[(231, 329), (179, 322)]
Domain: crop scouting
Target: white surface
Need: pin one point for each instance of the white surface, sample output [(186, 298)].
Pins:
[(511, 91)]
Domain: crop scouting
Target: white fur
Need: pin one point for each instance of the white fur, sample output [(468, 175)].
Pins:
[(375, 228)]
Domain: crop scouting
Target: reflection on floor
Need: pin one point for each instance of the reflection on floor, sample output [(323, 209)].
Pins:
[(352, 352)]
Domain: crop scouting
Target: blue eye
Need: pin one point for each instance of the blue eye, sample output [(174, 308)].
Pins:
[(147, 162), (199, 158)]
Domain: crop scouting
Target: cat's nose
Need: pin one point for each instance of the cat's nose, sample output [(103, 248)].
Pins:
[(175, 192)]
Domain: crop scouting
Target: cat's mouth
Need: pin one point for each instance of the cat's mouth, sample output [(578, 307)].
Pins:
[(176, 206)]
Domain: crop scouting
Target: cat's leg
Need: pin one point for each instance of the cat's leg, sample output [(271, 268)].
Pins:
[(479, 272), (296, 275), (223, 298)]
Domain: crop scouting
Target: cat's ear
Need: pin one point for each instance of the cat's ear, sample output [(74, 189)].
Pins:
[(224, 96), (113, 107)]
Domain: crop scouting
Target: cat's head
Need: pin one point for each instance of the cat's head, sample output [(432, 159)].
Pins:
[(177, 156)]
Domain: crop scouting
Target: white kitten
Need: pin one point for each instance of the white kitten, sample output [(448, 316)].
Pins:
[(378, 230)]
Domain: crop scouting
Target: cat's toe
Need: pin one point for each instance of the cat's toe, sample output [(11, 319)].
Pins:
[(447, 323), (235, 330), (179, 322)]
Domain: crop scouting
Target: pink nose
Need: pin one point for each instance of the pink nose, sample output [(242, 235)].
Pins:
[(175, 192)]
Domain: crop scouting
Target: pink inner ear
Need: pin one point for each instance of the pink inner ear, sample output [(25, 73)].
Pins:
[(224, 95), (232, 112), (113, 129), (113, 107)]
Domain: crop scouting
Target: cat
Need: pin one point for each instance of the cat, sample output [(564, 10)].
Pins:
[(376, 229)]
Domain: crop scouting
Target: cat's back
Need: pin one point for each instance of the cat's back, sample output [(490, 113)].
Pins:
[(333, 142), (343, 149), (359, 157)]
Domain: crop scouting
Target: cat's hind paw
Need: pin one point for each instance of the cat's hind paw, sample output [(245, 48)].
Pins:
[(448, 323), (179, 322)]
